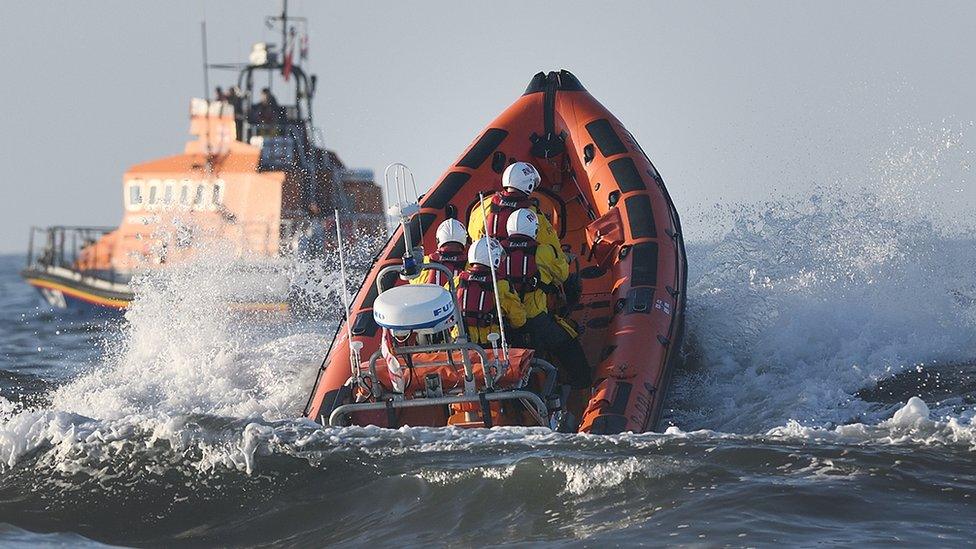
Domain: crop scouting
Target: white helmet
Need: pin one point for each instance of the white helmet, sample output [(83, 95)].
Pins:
[(522, 176), (451, 230), (479, 252), (523, 221)]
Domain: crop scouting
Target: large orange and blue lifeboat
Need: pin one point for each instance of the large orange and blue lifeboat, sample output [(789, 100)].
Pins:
[(611, 209), (244, 184)]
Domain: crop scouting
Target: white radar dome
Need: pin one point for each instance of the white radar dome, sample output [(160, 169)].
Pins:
[(419, 308)]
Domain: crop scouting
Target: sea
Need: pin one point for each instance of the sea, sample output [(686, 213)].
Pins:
[(826, 395)]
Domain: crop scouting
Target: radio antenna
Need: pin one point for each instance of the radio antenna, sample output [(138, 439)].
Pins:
[(494, 277)]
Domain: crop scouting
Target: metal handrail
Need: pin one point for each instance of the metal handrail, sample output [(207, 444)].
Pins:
[(469, 382), (336, 418)]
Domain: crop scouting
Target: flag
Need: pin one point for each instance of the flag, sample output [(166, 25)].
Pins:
[(286, 70), (289, 54), (393, 366)]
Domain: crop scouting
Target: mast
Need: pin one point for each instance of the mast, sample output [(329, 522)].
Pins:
[(206, 65), (284, 29), (206, 95)]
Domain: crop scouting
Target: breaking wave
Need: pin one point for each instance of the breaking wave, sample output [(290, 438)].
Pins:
[(815, 325)]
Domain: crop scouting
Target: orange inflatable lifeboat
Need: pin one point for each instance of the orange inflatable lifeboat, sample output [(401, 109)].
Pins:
[(611, 209)]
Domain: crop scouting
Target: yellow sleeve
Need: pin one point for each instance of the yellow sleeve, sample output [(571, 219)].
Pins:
[(548, 235), (552, 269), (511, 306), (476, 221)]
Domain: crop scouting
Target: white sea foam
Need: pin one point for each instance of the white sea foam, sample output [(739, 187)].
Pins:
[(800, 305), (910, 424), (805, 301), (184, 353)]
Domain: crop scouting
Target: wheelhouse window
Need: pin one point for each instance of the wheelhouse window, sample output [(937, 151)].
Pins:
[(185, 189), (169, 189), (217, 194), (133, 194), (152, 193), (199, 196)]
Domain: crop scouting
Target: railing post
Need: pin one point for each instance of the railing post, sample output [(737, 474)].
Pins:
[(60, 240), (30, 248)]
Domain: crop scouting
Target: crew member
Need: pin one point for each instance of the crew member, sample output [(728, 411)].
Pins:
[(531, 269), (266, 113), (518, 182), (452, 238), (476, 293)]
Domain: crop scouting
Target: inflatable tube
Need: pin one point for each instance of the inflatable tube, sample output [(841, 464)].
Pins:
[(609, 205)]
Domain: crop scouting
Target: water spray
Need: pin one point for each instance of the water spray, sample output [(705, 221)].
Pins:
[(354, 346)]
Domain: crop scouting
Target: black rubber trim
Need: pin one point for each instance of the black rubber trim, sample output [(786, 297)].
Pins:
[(640, 216), (620, 398), (499, 161), (627, 176), (441, 195), (599, 322), (333, 399), (654, 173), (537, 84), (365, 325), (371, 295), (562, 209), (565, 81), (603, 135), (592, 272), (644, 264), (489, 141), (608, 425), (639, 300), (588, 154)]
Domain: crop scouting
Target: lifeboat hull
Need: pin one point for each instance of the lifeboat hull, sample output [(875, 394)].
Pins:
[(610, 206), (73, 292), (68, 291)]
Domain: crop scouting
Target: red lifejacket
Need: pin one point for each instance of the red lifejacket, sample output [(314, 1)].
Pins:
[(450, 255), (503, 203), (476, 296), (519, 265)]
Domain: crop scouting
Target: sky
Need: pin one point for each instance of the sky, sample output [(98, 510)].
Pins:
[(735, 102)]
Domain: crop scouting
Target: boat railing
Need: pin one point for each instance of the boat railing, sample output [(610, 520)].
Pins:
[(83, 249), (62, 245)]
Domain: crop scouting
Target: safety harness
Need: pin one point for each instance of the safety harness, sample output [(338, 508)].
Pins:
[(476, 295), (450, 255), (519, 266), (503, 203)]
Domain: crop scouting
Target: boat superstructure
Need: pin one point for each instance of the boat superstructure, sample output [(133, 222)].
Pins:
[(255, 184)]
